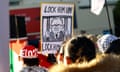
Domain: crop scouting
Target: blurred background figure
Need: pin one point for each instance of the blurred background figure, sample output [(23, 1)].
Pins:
[(114, 47), (104, 42), (29, 55), (92, 37), (83, 32)]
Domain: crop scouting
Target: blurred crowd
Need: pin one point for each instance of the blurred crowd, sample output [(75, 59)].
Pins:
[(80, 53)]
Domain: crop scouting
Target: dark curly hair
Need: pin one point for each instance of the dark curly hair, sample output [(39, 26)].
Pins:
[(81, 48)]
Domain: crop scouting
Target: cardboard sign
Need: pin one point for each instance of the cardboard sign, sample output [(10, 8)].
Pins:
[(56, 25)]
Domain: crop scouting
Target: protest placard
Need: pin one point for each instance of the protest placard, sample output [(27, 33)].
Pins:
[(56, 25)]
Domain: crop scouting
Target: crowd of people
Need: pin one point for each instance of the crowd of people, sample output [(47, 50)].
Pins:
[(81, 53), (89, 54)]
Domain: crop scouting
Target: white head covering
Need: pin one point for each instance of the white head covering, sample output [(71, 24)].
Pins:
[(104, 42)]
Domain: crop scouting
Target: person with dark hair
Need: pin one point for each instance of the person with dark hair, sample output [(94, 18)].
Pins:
[(78, 49), (29, 55), (114, 47)]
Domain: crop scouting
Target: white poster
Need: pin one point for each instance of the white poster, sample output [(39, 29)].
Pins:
[(56, 25)]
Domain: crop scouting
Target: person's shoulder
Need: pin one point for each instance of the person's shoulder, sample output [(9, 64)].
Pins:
[(107, 62)]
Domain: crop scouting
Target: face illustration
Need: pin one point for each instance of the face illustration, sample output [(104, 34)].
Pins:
[(57, 25)]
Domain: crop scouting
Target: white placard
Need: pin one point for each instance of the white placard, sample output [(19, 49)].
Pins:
[(56, 25)]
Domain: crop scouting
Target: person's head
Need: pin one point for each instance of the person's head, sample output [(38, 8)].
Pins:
[(79, 49), (29, 54), (57, 24), (103, 42), (114, 47), (83, 32)]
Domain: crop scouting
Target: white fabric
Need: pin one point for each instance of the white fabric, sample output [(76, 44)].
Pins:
[(104, 42), (97, 6)]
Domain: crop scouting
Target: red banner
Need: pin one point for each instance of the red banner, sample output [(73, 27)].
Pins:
[(32, 18)]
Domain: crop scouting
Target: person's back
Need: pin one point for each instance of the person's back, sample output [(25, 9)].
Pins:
[(102, 63), (107, 63), (103, 42)]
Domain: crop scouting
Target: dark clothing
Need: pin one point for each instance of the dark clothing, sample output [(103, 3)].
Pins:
[(33, 69)]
